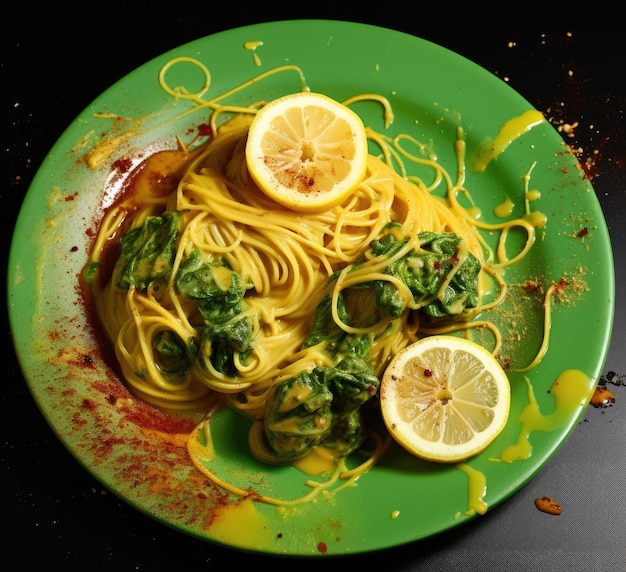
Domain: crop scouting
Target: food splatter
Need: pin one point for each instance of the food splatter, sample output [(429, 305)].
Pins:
[(548, 505), (604, 397)]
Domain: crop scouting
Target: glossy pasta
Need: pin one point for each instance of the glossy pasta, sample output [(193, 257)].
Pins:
[(288, 257), (287, 262)]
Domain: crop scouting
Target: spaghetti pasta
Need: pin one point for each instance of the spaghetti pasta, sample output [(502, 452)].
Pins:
[(228, 305)]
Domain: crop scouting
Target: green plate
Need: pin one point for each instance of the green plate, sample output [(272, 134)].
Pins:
[(140, 455)]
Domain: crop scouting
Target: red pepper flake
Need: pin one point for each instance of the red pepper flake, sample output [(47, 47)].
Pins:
[(89, 404), (143, 415), (123, 165), (532, 287), (205, 130), (322, 548), (428, 373), (505, 361), (583, 232)]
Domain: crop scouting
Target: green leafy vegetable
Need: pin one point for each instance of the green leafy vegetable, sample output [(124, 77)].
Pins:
[(320, 407), (352, 383), (224, 340), (298, 414), (323, 407), (297, 419), (147, 256), (148, 251), (173, 357), (89, 273), (216, 288), (337, 341), (424, 273), (219, 293)]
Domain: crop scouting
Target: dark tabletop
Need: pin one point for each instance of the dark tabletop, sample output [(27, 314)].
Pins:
[(55, 514)]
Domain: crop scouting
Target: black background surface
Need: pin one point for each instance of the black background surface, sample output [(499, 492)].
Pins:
[(55, 62)]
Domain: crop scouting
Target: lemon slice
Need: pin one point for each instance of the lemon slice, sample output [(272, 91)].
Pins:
[(306, 151), (445, 398)]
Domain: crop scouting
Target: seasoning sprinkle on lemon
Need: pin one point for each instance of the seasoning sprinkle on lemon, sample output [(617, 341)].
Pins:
[(445, 398), (307, 151)]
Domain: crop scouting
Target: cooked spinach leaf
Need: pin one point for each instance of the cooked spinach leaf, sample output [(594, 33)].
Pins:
[(346, 387), (295, 418), (298, 414), (321, 407), (147, 252), (337, 341), (219, 293), (172, 356), (216, 288), (425, 271)]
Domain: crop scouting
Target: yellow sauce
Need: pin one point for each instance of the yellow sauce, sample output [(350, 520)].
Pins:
[(476, 488), (160, 175), (511, 130), (571, 392), (536, 219), (252, 46), (474, 212), (103, 151), (241, 524), (504, 209), (533, 195), (319, 462)]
